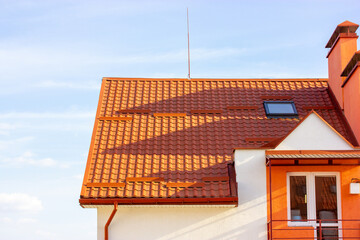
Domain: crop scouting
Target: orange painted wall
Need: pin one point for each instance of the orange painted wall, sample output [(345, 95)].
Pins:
[(350, 203), (339, 57), (352, 102)]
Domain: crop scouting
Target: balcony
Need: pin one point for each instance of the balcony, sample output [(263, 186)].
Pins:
[(316, 229)]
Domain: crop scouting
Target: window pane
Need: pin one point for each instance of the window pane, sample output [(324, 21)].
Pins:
[(280, 108), (298, 198), (326, 201)]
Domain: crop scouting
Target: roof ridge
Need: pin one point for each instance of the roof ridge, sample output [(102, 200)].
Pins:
[(216, 79)]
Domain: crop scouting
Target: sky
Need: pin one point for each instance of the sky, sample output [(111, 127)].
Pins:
[(53, 55)]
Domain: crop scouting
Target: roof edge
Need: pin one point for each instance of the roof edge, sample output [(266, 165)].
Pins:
[(215, 79), (326, 152), (160, 201), (93, 135), (251, 148)]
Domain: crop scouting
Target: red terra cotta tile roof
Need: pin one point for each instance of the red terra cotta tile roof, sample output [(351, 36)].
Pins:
[(156, 140)]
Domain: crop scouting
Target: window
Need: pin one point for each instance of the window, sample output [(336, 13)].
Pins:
[(314, 195), (298, 198), (280, 109)]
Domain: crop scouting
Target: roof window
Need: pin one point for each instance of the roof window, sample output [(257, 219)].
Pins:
[(280, 109)]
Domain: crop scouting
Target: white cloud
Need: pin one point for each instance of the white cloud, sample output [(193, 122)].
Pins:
[(63, 10), (78, 176), (205, 54), (14, 122), (19, 202), (5, 144), (45, 234), (27, 158), (48, 60), (17, 140), (5, 128), (71, 85), (56, 115), (26, 220), (6, 220), (176, 56)]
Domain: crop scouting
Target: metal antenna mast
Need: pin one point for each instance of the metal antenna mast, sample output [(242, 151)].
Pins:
[(188, 35)]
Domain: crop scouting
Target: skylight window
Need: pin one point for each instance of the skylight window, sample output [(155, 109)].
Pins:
[(280, 108)]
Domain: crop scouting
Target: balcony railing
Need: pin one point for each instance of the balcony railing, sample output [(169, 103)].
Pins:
[(316, 229)]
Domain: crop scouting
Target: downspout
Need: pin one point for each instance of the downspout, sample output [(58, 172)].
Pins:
[(270, 193), (109, 221)]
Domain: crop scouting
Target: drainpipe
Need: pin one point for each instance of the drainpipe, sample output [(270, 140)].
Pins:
[(270, 193), (109, 221)]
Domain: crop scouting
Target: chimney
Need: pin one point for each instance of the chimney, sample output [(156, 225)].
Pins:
[(351, 91), (342, 46)]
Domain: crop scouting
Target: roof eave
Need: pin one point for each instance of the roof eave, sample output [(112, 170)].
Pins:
[(232, 201)]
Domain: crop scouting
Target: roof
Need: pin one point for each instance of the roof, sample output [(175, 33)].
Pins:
[(158, 139)]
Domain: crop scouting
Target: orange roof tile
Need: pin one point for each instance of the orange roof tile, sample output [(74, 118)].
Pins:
[(188, 151)]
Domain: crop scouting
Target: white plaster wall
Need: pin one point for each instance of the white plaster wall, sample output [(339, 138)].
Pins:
[(247, 221), (313, 134)]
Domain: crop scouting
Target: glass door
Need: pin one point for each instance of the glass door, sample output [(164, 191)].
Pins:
[(314, 200), (326, 206)]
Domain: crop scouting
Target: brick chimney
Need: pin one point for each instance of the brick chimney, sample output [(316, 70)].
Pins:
[(344, 72), (342, 46)]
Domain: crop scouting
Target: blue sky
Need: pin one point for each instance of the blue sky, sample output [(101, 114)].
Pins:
[(53, 55)]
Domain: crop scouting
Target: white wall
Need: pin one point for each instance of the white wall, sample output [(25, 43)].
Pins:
[(247, 221)]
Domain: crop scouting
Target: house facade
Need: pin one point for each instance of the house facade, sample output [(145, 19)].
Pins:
[(229, 158)]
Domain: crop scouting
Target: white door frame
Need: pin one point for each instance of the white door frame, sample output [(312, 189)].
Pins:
[(311, 199)]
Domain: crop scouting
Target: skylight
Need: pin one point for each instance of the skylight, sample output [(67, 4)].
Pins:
[(280, 108)]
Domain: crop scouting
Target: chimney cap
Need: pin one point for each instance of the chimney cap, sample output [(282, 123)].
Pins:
[(348, 24), (344, 27), (349, 67)]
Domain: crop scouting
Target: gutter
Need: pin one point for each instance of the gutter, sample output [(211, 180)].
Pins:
[(160, 201), (109, 221)]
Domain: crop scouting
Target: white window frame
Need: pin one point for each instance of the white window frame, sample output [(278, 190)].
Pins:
[(298, 223), (311, 195)]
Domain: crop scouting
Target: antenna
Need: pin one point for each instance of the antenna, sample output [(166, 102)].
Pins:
[(188, 35)]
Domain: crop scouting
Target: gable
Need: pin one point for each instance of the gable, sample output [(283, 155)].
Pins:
[(314, 133)]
